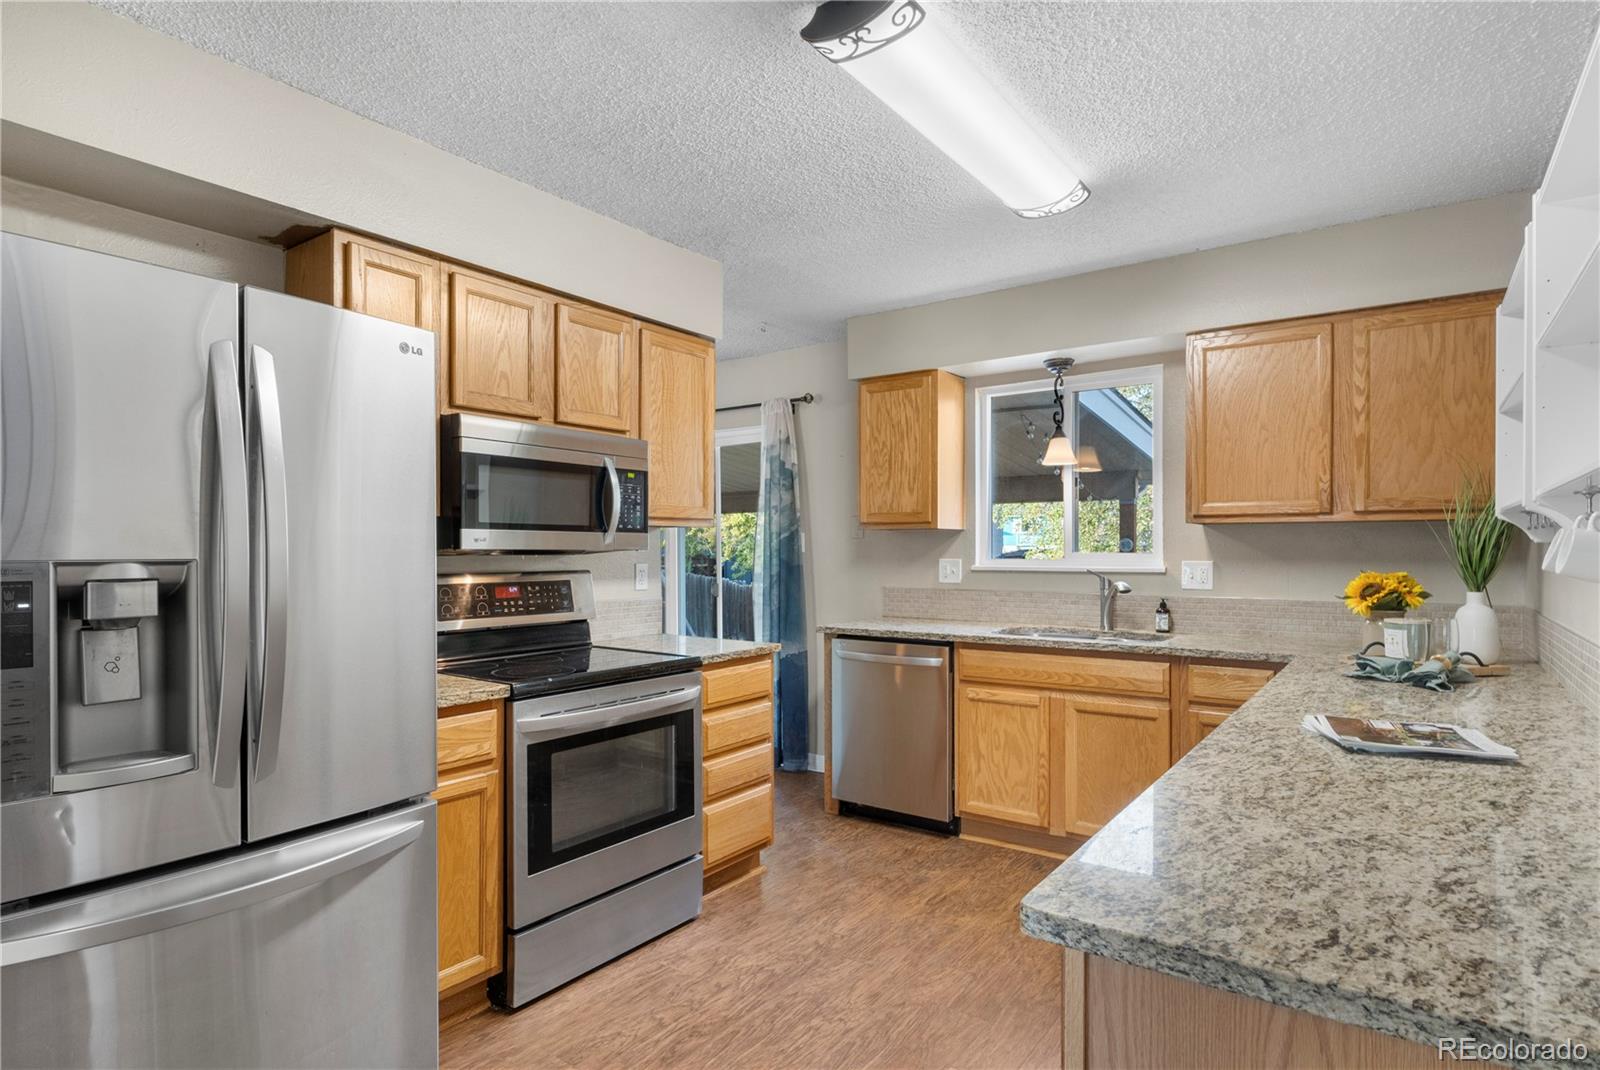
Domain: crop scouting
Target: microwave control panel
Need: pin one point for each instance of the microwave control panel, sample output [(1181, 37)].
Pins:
[(504, 597), (635, 499)]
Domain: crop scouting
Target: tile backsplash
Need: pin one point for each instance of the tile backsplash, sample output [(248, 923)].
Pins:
[(1573, 659), (1326, 618)]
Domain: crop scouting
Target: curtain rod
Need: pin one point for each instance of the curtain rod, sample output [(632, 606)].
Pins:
[(804, 399)]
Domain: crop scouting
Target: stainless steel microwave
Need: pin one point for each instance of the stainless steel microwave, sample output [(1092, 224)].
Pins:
[(511, 487)]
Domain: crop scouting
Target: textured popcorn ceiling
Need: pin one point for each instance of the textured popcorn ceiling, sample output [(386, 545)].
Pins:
[(713, 126)]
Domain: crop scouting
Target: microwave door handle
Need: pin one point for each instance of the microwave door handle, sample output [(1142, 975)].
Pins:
[(616, 502), (233, 550), (273, 562)]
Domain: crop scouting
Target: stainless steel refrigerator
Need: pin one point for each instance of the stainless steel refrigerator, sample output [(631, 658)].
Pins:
[(216, 580)]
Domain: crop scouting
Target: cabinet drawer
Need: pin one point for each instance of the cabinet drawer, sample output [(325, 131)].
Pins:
[(737, 726), (736, 683), (737, 824), (738, 769), (1070, 672), (468, 738), (1226, 685)]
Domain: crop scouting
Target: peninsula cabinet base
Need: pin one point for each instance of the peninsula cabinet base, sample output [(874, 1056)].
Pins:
[(1116, 1015)]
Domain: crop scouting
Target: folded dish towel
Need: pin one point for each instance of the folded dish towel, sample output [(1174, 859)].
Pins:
[(1439, 673)]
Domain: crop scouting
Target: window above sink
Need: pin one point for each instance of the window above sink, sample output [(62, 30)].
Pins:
[(1104, 511)]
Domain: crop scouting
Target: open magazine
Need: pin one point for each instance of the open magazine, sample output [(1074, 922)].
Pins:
[(1409, 737)]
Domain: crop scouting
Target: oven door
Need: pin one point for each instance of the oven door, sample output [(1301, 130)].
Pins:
[(605, 791)]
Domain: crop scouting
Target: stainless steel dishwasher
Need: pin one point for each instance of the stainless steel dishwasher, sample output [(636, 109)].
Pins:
[(893, 729)]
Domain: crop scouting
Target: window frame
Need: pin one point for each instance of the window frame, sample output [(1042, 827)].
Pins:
[(672, 542), (1153, 562)]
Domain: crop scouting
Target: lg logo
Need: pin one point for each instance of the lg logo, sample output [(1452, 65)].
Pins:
[(407, 347)]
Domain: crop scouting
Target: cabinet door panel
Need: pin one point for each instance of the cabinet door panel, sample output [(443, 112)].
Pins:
[(897, 436), (737, 824), (1003, 754), (1421, 404), (597, 370), (501, 347), (470, 923), (1260, 432), (677, 414), (1115, 749), (391, 284)]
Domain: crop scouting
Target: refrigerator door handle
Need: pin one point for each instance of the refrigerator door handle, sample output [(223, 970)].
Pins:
[(232, 643), (271, 562), (77, 925), (616, 502)]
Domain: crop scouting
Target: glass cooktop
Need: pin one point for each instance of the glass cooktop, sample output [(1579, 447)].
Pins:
[(550, 671)]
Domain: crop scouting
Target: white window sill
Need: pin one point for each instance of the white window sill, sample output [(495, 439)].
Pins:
[(1024, 565)]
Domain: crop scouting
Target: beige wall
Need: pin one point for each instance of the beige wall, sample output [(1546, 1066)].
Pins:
[(54, 216), (1573, 604), (90, 77), (1435, 252)]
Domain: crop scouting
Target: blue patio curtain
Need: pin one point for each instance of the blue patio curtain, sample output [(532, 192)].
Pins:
[(780, 580)]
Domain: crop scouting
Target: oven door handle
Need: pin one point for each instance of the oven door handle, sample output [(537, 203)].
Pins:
[(534, 726)]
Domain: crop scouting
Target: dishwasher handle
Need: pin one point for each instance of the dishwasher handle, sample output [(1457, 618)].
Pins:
[(889, 659)]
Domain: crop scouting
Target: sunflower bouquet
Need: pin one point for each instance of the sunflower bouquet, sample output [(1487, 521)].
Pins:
[(1390, 592)]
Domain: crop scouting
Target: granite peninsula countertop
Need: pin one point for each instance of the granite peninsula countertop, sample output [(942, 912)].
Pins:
[(1421, 898), (708, 650), (460, 690)]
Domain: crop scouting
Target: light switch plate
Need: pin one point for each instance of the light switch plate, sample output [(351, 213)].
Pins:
[(949, 570), (641, 577), (1197, 575)]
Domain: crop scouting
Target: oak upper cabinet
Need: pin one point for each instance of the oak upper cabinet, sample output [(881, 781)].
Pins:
[(1115, 748), (1261, 422), (469, 817), (1421, 404), (597, 369), (912, 437), (502, 347), (677, 416), (1373, 414), (1003, 753)]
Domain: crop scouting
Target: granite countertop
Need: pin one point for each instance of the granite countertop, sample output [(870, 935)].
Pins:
[(708, 650), (460, 690), (1421, 898)]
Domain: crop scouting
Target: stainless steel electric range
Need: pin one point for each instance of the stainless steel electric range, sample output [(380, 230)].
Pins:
[(603, 829)]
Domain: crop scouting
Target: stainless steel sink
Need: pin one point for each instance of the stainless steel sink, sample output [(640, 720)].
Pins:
[(1085, 635)]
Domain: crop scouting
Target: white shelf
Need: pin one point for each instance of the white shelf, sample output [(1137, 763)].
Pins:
[(1576, 320), (1515, 302), (1511, 403), (1561, 494)]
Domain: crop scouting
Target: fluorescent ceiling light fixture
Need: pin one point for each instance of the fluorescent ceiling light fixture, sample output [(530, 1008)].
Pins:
[(894, 49)]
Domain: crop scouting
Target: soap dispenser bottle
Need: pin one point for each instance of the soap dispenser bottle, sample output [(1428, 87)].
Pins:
[(1163, 617)]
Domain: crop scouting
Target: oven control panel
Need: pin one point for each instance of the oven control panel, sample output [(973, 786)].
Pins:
[(505, 599)]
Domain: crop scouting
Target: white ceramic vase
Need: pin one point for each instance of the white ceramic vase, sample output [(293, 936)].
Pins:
[(1476, 629)]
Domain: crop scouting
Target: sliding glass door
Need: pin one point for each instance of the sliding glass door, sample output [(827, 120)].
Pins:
[(709, 572)]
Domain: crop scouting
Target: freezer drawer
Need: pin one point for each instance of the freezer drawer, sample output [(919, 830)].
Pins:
[(892, 727), (316, 952)]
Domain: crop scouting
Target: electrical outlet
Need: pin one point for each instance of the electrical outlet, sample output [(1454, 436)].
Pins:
[(641, 577), (1197, 575), (949, 570)]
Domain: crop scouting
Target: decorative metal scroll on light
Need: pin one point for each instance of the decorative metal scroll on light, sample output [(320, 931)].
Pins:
[(890, 24), (1077, 196)]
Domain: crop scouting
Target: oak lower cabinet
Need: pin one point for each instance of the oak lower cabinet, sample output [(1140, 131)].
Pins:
[(737, 771), (1003, 754), (677, 416), (1373, 414), (912, 440), (470, 820), (1206, 694), (1056, 743)]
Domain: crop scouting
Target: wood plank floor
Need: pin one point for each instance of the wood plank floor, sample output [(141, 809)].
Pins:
[(863, 945)]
